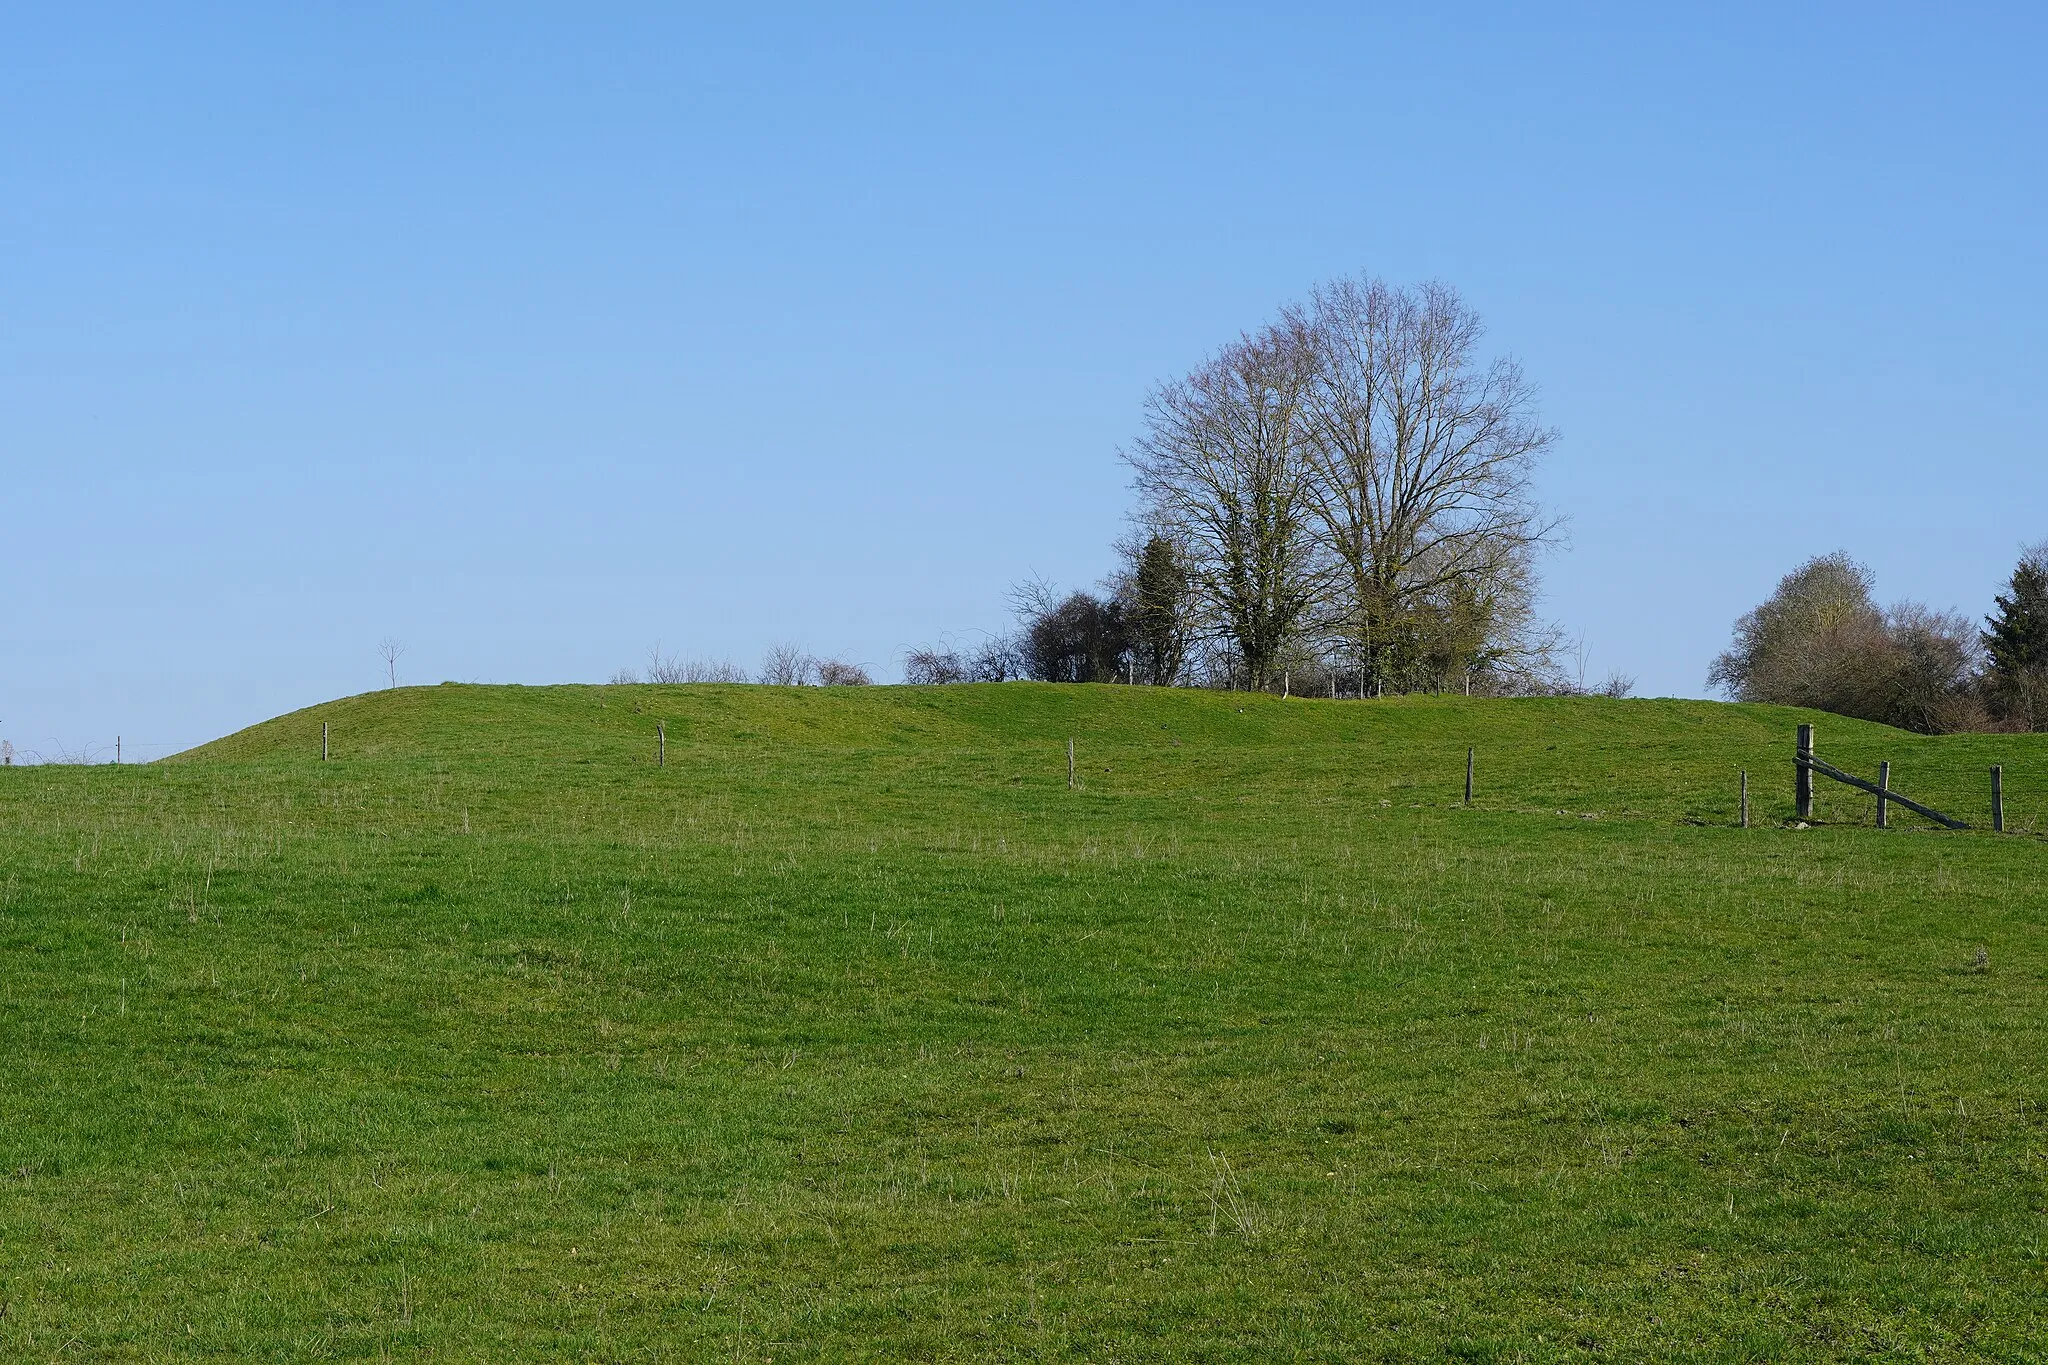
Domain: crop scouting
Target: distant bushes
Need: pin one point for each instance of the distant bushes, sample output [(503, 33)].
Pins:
[(1078, 638), (783, 666), (667, 668), (834, 673), (995, 659), (1821, 640), (929, 667)]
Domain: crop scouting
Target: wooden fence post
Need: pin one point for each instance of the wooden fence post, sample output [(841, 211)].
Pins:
[(1884, 788), (1997, 799), (323, 741), (1745, 798), (1802, 782), (661, 744), (1468, 777), (1070, 765)]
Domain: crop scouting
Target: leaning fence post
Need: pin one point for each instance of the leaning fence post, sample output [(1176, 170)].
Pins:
[(1997, 799), (1468, 777), (1802, 782), (323, 741), (660, 744), (1070, 765), (1884, 790), (1745, 798)]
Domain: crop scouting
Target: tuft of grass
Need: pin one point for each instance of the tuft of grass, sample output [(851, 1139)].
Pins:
[(852, 1033)]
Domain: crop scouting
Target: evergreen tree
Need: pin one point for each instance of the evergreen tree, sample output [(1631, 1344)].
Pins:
[(2017, 642), (1159, 614)]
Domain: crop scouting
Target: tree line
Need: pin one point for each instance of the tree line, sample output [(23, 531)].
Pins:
[(1340, 502), (1821, 640)]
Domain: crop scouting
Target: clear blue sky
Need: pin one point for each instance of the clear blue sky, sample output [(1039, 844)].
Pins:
[(533, 336)]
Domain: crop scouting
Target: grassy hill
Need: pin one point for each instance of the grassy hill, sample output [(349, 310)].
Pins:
[(853, 1033)]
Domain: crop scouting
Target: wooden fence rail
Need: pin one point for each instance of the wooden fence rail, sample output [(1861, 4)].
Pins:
[(1805, 765)]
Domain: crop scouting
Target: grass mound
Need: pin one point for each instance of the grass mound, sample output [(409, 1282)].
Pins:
[(851, 1032), (1661, 759)]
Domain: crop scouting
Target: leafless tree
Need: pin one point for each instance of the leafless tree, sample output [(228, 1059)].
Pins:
[(624, 677), (390, 650), (787, 666), (1222, 471), (1929, 681), (1421, 458), (1619, 685), (666, 668), (838, 673)]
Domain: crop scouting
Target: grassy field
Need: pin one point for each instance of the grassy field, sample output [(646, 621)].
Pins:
[(852, 1033)]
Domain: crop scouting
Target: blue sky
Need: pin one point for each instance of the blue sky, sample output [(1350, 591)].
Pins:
[(532, 336)]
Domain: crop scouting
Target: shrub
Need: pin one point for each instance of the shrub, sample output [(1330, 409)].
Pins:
[(835, 673), (929, 667)]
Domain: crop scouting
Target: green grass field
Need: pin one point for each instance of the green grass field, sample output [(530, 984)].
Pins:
[(852, 1033)]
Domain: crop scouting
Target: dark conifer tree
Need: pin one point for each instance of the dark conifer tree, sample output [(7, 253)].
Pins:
[(2017, 642), (1159, 612)]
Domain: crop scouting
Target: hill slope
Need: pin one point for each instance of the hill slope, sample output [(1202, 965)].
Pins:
[(853, 1033), (1664, 759)]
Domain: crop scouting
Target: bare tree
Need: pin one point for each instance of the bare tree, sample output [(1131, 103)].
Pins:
[(1930, 679), (787, 666), (390, 650), (666, 668), (1222, 472), (1421, 461)]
